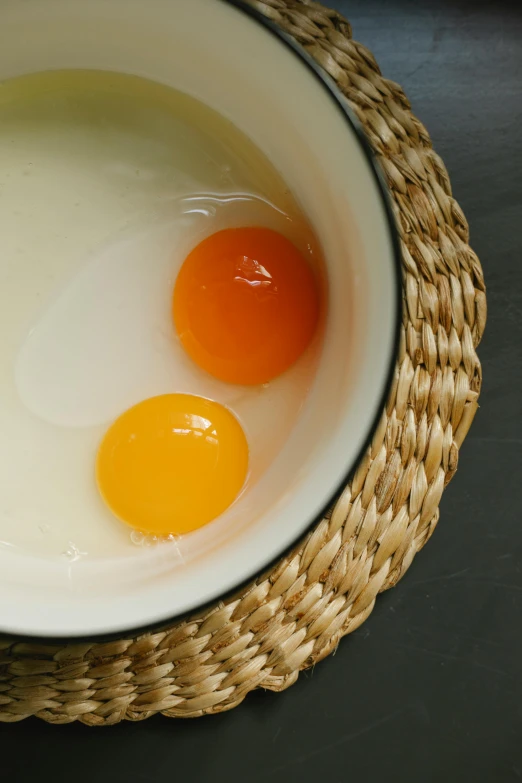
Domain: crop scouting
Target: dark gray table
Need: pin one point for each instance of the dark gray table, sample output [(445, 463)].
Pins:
[(429, 689)]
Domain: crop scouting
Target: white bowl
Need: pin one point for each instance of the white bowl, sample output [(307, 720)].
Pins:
[(234, 61)]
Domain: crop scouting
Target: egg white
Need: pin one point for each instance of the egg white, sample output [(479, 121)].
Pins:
[(89, 258)]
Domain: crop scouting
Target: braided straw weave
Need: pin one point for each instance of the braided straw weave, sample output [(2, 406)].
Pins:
[(296, 613)]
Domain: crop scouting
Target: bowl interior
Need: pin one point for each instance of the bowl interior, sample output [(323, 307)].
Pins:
[(236, 65)]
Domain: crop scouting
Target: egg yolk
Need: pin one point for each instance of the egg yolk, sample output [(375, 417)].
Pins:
[(172, 463), (246, 304)]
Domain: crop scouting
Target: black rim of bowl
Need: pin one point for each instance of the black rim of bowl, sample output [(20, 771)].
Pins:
[(353, 124)]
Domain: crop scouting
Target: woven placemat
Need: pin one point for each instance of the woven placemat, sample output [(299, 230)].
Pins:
[(295, 615)]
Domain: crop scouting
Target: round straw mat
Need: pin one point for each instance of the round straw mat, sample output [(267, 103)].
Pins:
[(296, 613)]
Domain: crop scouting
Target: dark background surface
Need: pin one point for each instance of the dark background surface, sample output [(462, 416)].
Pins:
[(429, 689)]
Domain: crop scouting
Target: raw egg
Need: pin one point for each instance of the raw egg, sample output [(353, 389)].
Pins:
[(172, 463), (107, 183), (246, 304)]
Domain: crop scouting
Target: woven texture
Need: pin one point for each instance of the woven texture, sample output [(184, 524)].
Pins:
[(295, 615)]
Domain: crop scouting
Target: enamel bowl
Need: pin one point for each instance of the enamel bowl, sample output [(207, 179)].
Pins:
[(233, 60)]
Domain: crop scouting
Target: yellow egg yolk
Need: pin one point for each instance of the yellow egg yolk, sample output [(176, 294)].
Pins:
[(246, 304), (172, 464)]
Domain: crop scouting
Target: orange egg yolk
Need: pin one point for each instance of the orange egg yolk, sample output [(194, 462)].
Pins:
[(246, 304), (172, 463)]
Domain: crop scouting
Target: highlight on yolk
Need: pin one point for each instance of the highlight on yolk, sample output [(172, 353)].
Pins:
[(172, 463), (246, 304)]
